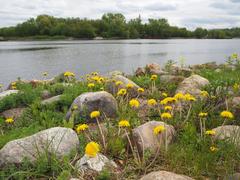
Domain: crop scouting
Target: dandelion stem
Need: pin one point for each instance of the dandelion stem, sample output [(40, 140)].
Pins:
[(103, 138)]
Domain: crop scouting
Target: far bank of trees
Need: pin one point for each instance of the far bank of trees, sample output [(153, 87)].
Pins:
[(110, 26)]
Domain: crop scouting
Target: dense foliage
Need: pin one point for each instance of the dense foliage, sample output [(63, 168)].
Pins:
[(109, 26)]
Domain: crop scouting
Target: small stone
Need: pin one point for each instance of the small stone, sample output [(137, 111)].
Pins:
[(165, 175), (7, 93), (51, 100), (94, 163), (15, 113)]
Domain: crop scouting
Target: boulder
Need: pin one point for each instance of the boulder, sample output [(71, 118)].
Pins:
[(235, 176), (97, 163), (177, 70), (58, 140), (115, 73), (154, 69), (171, 79), (45, 94), (113, 89), (235, 102), (140, 72), (51, 100), (145, 138), (164, 175), (229, 133), (192, 85), (7, 93), (94, 101), (15, 113)]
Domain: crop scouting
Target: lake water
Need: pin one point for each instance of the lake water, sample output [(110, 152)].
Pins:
[(29, 59)]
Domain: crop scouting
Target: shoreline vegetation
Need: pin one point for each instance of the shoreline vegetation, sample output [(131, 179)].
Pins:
[(170, 122), (110, 26)]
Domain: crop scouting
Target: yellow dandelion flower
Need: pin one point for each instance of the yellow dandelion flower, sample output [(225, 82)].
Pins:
[(166, 115), (204, 93), (164, 94), (69, 74), (9, 120), (122, 92), (140, 90), (134, 103), (202, 114), (92, 149), (124, 123), (118, 83), (45, 74), (151, 102), (210, 132), (227, 114), (95, 114), (153, 77), (75, 107), (168, 100), (189, 97), (81, 127), (157, 130), (91, 85), (129, 86), (213, 149), (179, 96), (168, 108)]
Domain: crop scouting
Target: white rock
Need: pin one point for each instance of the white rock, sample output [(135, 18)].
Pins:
[(94, 163), (7, 93), (164, 175)]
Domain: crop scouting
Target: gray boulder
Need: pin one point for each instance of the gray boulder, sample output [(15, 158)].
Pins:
[(164, 175), (192, 85), (145, 138), (177, 70), (51, 100), (154, 68), (230, 133), (94, 163), (94, 101), (113, 89), (58, 140)]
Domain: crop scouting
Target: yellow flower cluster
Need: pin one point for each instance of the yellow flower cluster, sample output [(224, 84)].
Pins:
[(134, 103), (166, 115), (168, 100), (9, 120), (210, 132), (179, 96), (91, 149), (81, 127), (213, 149), (124, 123), (14, 85), (157, 130), (69, 74), (151, 102), (189, 97), (122, 92), (202, 114), (95, 114), (227, 114)]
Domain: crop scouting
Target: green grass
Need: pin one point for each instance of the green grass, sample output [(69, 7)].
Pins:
[(189, 154)]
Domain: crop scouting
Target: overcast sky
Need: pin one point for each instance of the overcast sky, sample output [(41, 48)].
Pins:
[(187, 13)]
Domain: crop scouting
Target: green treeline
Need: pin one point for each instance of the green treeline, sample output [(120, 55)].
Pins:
[(110, 26)]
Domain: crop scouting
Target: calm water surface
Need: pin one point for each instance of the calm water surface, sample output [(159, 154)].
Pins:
[(29, 59)]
